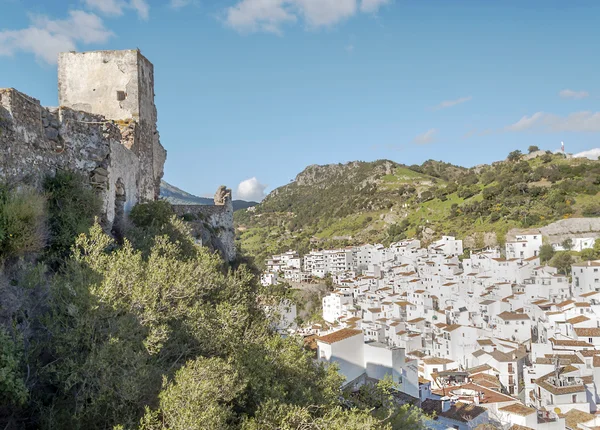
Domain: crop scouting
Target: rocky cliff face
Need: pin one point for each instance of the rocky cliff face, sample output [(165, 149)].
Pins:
[(212, 225)]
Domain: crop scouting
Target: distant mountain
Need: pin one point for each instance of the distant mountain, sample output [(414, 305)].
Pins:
[(383, 201), (177, 196)]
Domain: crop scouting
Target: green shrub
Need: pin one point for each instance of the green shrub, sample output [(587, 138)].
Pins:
[(151, 214), (72, 207), (22, 222), (12, 386)]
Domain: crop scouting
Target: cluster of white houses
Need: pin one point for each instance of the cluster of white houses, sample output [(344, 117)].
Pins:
[(494, 338)]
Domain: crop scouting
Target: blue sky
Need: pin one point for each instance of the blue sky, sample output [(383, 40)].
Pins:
[(262, 88)]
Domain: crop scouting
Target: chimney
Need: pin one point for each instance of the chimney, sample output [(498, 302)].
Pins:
[(446, 403)]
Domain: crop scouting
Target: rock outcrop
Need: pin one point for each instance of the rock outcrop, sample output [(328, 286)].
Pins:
[(212, 226)]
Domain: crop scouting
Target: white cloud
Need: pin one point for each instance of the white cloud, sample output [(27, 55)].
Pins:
[(449, 103), (584, 121), (259, 15), (425, 138), (319, 13), (570, 94), (178, 4), (592, 154), (107, 7), (370, 6), (349, 48), (142, 8), (271, 15), (46, 37), (251, 190), (117, 7)]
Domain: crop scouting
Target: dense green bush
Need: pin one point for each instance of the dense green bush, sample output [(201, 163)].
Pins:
[(22, 221), (12, 386), (72, 207)]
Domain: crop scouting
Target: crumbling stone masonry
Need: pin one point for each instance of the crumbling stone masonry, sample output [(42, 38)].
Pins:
[(213, 225), (104, 128)]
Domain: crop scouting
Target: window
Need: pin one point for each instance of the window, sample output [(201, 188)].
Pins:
[(590, 340), (574, 399), (121, 95)]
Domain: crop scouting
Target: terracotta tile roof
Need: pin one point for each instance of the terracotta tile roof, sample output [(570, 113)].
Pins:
[(565, 303), (512, 316), (589, 352), (490, 396), (571, 358), (587, 264), (587, 332), (416, 320), (488, 381), (518, 409), (339, 335), (582, 304), (591, 293), (452, 327), (374, 310), (460, 411), (542, 382), (539, 302), (575, 417), (564, 342), (578, 319), (518, 427), (478, 369), (485, 342), (437, 360)]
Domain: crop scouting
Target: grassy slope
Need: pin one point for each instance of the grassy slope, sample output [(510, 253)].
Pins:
[(339, 209)]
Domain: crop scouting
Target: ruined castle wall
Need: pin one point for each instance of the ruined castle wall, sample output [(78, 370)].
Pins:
[(35, 142), (213, 226)]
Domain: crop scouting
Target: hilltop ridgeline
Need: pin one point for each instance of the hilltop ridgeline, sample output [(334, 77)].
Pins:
[(384, 201)]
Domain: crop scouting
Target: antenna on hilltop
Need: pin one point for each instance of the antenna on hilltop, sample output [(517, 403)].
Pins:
[(562, 147)]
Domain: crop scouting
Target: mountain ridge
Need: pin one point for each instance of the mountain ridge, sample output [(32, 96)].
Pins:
[(383, 201)]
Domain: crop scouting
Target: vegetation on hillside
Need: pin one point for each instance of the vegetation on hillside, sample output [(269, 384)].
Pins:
[(151, 333), (383, 201)]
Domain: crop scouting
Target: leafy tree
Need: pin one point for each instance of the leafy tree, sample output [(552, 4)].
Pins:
[(567, 244), (562, 261), (546, 253), (533, 148), (587, 254), (201, 397), (515, 155)]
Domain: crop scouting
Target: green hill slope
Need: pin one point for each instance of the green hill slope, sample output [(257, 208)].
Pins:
[(383, 201)]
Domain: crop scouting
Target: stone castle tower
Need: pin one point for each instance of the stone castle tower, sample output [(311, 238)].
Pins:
[(105, 128)]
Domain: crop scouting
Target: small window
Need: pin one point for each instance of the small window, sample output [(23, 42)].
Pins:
[(121, 95)]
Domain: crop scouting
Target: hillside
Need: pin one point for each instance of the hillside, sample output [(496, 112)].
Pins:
[(384, 201), (177, 196)]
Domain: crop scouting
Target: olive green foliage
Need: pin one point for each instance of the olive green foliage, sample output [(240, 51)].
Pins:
[(165, 338), (13, 391), (515, 155), (533, 148), (546, 253), (362, 202), (154, 219), (380, 397), (72, 207), (200, 397), (562, 261), (22, 221)]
